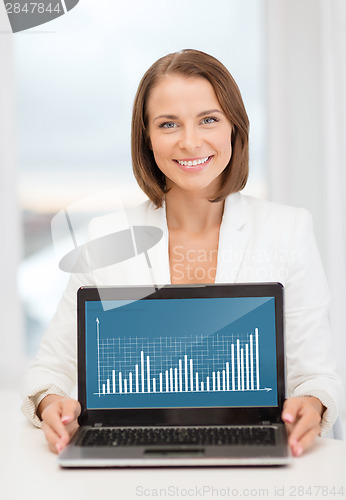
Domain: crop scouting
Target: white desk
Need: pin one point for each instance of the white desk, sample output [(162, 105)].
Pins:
[(29, 471)]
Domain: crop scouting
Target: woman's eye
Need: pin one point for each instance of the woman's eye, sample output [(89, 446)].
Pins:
[(168, 125), (210, 119)]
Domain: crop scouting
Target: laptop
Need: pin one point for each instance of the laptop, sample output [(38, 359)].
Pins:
[(189, 375)]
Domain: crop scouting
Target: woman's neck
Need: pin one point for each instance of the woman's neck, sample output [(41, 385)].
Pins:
[(191, 212)]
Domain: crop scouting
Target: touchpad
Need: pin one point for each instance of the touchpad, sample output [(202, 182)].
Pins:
[(169, 452)]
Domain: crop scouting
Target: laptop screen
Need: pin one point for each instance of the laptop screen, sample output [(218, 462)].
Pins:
[(187, 352)]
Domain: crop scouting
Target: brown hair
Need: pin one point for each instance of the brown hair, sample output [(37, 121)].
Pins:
[(194, 63)]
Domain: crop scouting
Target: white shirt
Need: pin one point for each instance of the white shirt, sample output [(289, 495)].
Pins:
[(259, 241)]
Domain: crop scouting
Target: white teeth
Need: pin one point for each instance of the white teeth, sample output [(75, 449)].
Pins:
[(193, 162)]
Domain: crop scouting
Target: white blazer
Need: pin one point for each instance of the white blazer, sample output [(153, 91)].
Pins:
[(259, 241)]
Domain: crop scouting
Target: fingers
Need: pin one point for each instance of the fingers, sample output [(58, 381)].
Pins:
[(308, 419), (290, 412), (51, 436), (303, 420), (306, 440), (70, 410), (51, 417), (60, 422)]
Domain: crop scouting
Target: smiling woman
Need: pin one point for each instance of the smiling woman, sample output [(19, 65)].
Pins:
[(189, 148), (190, 156)]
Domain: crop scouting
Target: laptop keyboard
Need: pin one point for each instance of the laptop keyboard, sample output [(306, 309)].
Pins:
[(144, 436)]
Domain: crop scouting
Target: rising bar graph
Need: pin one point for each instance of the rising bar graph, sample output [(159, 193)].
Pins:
[(133, 366)]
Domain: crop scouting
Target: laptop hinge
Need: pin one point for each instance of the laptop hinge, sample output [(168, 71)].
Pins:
[(265, 422), (97, 425)]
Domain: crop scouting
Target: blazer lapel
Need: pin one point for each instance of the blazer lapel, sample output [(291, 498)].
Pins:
[(233, 239), (158, 255)]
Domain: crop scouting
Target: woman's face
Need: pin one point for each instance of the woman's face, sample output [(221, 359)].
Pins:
[(189, 133)]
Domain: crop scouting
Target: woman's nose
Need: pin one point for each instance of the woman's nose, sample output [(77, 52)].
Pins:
[(190, 138)]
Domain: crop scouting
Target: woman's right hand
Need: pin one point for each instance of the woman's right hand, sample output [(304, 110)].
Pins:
[(59, 420)]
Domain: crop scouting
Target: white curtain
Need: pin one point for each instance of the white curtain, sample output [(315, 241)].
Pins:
[(11, 331), (307, 130)]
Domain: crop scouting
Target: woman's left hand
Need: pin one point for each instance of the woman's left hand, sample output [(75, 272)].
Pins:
[(303, 417)]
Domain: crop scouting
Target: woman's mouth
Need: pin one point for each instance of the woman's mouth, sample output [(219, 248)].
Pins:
[(193, 164)]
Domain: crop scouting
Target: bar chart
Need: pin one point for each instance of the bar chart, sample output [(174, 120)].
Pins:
[(128, 366)]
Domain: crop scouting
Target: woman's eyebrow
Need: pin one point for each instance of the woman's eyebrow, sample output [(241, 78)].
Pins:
[(174, 117), (167, 117), (209, 112)]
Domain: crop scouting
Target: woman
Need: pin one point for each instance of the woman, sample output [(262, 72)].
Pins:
[(190, 156)]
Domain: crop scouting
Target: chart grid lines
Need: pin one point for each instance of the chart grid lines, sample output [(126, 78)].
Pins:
[(163, 367)]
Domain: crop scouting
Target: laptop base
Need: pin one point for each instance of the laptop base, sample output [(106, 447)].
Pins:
[(177, 455)]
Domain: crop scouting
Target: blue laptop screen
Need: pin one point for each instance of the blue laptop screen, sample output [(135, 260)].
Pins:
[(181, 353)]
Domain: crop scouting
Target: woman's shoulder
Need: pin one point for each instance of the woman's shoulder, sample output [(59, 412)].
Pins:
[(121, 219), (252, 210), (271, 207)]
